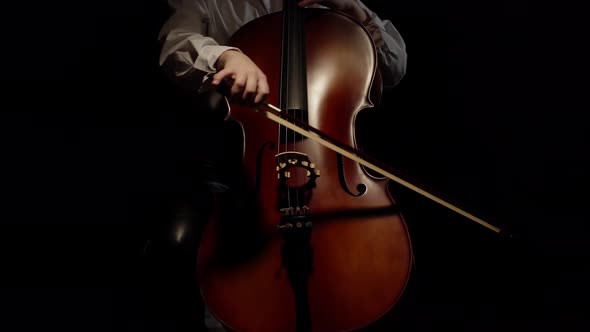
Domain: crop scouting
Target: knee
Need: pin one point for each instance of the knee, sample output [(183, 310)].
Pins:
[(183, 230)]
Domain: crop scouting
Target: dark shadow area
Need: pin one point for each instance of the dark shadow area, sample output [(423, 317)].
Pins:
[(97, 147)]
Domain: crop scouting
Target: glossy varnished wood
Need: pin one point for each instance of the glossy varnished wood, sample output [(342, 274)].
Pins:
[(362, 260)]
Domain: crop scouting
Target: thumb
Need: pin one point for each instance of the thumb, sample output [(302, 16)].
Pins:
[(222, 74)]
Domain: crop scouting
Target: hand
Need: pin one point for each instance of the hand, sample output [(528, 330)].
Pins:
[(248, 82), (350, 7)]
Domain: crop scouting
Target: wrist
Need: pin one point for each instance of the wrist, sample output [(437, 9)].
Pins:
[(222, 58)]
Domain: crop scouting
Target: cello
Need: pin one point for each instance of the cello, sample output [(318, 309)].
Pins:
[(316, 242)]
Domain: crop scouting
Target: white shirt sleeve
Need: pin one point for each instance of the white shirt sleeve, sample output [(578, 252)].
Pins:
[(390, 45), (187, 50)]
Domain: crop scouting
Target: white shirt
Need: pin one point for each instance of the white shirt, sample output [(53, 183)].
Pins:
[(199, 30)]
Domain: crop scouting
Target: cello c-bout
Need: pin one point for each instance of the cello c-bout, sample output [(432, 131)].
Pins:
[(319, 246)]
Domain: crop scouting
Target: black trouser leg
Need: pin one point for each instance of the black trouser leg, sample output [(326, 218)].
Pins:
[(171, 256)]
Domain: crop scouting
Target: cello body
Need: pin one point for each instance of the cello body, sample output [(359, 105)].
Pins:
[(353, 259)]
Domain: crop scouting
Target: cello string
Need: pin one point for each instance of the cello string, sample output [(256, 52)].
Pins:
[(296, 179), (286, 148), (297, 21)]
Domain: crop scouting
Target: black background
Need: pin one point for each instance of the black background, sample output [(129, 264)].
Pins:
[(92, 135)]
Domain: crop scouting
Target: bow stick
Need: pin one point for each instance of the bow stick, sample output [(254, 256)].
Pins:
[(275, 114)]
